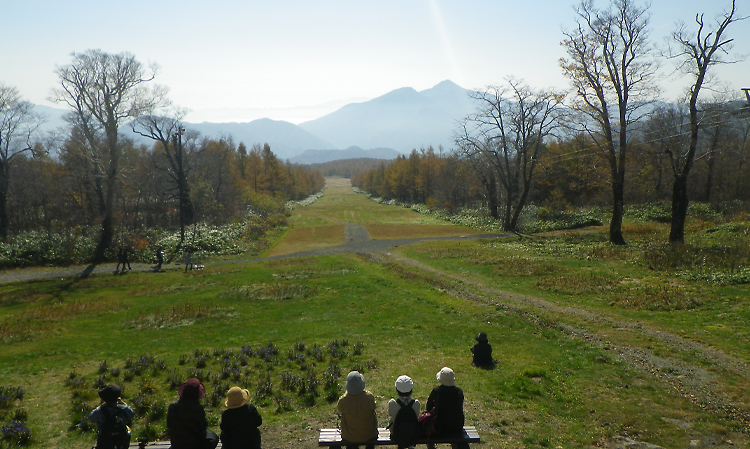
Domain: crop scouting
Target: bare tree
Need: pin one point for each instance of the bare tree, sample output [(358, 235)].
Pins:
[(696, 53), (612, 73), (508, 132), (18, 122), (165, 127), (104, 90)]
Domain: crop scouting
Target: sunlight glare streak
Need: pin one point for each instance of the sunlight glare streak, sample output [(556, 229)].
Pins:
[(437, 19)]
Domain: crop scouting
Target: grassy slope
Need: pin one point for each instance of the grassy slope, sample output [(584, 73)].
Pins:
[(549, 391)]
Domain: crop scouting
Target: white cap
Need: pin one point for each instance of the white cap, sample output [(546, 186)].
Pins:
[(404, 384)]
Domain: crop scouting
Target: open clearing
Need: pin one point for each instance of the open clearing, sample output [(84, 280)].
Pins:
[(576, 369)]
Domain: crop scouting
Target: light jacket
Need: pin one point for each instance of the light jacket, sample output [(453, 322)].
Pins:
[(358, 421)]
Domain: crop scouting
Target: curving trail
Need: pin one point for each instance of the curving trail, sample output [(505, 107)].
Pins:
[(700, 380)]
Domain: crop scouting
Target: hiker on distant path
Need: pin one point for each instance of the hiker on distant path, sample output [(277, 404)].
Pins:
[(188, 260), (357, 411), (404, 386), (186, 419), (240, 421), (482, 352), (159, 258), (122, 258), (112, 419), (449, 400)]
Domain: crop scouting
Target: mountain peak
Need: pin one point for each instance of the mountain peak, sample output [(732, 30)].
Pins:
[(445, 85)]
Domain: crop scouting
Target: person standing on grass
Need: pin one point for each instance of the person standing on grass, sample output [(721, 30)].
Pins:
[(482, 352), (121, 260), (449, 400), (404, 386), (357, 411), (159, 258), (125, 258), (240, 421), (188, 260), (112, 419), (186, 419)]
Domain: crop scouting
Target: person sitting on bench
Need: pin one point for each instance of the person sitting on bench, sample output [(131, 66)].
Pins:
[(449, 400), (357, 410)]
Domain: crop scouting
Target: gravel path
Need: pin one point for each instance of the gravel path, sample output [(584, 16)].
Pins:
[(356, 241)]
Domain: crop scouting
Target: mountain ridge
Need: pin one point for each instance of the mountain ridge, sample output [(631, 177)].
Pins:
[(399, 121)]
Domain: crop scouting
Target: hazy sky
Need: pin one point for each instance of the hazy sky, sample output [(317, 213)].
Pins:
[(284, 54)]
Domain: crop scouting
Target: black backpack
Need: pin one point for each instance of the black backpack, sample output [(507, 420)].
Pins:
[(405, 428), (114, 433)]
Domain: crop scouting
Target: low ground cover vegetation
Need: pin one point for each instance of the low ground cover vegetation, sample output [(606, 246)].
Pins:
[(280, 380), (13, 426), (593, 340)]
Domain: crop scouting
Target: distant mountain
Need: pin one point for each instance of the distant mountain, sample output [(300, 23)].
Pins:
[(397, 122), (286, 139), (403, 119), (53, 117), (322, 156)]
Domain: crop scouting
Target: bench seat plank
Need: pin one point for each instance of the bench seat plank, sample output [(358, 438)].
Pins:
[(332, 437)]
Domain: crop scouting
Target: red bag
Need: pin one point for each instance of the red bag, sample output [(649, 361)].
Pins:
[(427, 422)]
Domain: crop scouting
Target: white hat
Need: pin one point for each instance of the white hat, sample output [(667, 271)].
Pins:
[(404, 384), (446, 377), (355, 383)]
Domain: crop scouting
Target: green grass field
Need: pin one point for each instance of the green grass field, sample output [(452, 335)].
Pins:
[(591, 342)]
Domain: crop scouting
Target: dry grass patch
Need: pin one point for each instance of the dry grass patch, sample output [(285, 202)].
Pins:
[(303, 239), (44, 319), (179, 316), (388, 232)]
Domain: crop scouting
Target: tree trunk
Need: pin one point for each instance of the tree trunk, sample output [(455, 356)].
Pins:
[(709, 178), (491, 188), (4, 183), (105, 242), (679, 209), (618, 207)]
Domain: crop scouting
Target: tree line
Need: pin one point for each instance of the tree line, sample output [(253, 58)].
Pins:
[(93, 174), (608, 132), (607, 136)]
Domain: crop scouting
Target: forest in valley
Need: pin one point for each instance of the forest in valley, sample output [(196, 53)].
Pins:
[(83, 192)]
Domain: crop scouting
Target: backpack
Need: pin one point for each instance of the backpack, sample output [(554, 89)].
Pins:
[(427, 421), (114, 432), (405, 427)]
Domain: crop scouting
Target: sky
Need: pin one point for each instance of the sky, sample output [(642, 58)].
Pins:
[(296, 60)]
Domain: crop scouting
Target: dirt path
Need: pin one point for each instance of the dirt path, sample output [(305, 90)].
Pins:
[(693, 380), (356, 241)]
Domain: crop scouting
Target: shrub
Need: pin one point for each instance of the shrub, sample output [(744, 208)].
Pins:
[(16, 433)]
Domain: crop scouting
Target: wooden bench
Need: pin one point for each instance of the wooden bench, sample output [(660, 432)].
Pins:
[(332, 438), (153, 445)]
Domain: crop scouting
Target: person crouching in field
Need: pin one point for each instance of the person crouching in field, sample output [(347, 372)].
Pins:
[(112, 419), (357, 410), (186, 419), (240, 421), (482, 352)]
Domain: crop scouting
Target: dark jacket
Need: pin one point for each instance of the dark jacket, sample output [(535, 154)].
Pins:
[(99, 417), (186, 422), (239, 428), (450, 404), (482, 354)]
